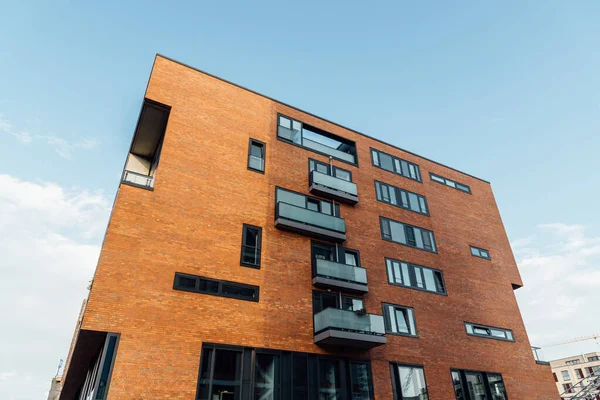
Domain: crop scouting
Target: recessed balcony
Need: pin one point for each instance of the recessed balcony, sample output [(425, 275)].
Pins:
[(308, 222), (336, 327), (335, 275), (332, 187)]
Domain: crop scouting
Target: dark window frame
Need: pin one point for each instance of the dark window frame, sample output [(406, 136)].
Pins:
[(220, 283), (485, 375), (387, 321), (480, 249), (489, 328), (382, 218), (340, 297), (340, 254), (329, 170), (431, 175), (396, 379), (335, 207), (412, 274), (399, 205), (287, 366), (264, 155), (245, 228), (320, 132), (400, 160)]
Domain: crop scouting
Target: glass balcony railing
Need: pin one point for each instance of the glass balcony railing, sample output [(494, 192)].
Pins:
[(342, 272), (309, 217), (337, 319), (297, 136), (332, 182), (138, 179), (539, 356)]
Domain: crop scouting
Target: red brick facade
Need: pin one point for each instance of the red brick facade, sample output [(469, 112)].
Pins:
[(192, 222)]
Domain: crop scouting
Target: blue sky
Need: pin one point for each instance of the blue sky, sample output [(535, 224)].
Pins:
[(507, 91)]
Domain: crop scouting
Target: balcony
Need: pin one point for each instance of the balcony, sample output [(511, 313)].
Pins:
[(311, 223), (538, 355), (140, 180), (330, 274), (330, 186), (335, 327)]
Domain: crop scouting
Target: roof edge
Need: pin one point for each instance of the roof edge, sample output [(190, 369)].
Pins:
[(316, 116)]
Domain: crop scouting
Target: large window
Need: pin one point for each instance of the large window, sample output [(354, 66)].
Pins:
[(474, 385), (449, 182), (572, 362), (396, 165), (408, 382), (401, 198), (256, 155), (414, 276), (489, 332), (565, 375), (594, 358), (251, 244), (236, 373), (315, 139), (215, 287), (399, 320), (407, 234)]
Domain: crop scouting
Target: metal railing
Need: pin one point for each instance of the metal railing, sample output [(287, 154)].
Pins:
[(335, 318), (138, 179)]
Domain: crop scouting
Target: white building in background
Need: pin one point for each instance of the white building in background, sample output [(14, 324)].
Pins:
[(571, 372)]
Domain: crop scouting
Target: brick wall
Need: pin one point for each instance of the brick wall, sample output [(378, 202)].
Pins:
[(192, 223)]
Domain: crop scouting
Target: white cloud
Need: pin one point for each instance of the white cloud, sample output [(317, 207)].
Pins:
[(560, 267), (61, 146), (49, 244)]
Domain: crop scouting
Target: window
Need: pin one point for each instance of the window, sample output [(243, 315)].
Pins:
[(414, 276), (256, 155), (198, 284), (401, 198), (481, 253), (408, 235), (567, 388), (451, 183), (565, 375), (220, 374), (323, 300), (396, 165), (338, 254), (235, 373), (475, 385), (315, 139), (579, 373), (593, 371), (309, 203), (490, 332), (251, 242), (399, 320), (572, 362), (267, 382), (594, 358), (408, 382), (325, 168)]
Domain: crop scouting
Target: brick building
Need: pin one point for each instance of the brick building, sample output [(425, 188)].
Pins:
[(272, 254)]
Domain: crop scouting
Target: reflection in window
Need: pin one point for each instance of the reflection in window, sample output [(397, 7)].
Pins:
[(360, 378), (401, 198), (395, 165), (256, 155), (406, 234), (329, 380), (266, 377), (414, 276), (223, 380), (497, 387), (475, 385), (399, 320), (409, 382)]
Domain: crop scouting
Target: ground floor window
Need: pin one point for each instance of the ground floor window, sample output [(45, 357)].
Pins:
[(408, 382), (475, 385), (240, 373)]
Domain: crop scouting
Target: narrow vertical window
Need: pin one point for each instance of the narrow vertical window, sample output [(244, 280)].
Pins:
[(409, 382), (251, 245), (256, 155), (266, 377)]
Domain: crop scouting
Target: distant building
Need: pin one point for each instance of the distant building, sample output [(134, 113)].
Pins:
[(573, 373)]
